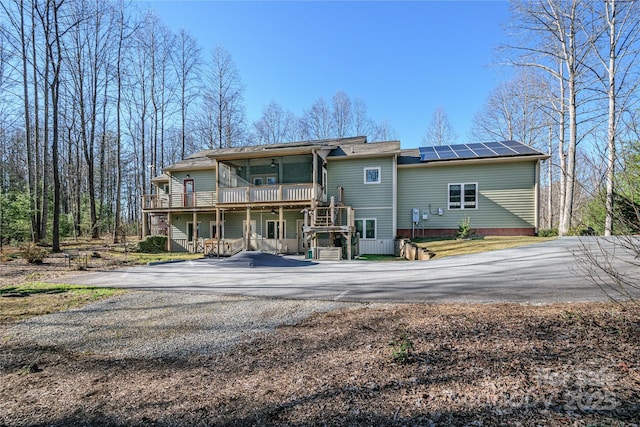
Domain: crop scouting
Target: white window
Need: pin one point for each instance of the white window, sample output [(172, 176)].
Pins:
[(463, 196), (372, 175), (273, 229), (261, 179), (366, 228)]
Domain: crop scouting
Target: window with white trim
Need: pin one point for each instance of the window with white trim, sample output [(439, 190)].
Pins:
[(366, 228), (372, 175), (273, 229), (463, 195)]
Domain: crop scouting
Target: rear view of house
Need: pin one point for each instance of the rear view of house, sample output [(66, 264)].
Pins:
[(337, 198)]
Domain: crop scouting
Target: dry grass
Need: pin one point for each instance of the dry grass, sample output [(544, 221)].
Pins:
[(452, 247), (37, 298)]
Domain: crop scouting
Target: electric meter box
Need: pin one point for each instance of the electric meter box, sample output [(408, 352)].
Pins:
[(416, 215)]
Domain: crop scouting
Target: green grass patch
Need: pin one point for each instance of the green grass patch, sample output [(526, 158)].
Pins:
[(37, 298), (451, 247), (144, 258)]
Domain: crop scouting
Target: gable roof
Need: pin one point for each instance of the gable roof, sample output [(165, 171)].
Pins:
[(335, 147), (373, 149), (274, 149), (193, 162)]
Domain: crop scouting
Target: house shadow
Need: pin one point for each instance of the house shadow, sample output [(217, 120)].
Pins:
[(252, 259)]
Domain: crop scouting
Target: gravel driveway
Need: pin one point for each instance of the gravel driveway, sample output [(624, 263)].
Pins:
[(145, 324)]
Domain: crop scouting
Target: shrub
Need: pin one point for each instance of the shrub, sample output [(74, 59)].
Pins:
[(464, 228), (548, 232), (33, 253), (402, 349), (153, 245)]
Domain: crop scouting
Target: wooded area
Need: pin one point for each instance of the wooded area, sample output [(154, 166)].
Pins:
[(96, 97)]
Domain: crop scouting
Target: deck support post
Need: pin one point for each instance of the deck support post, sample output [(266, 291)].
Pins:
[(195, 232), (247, 243), (145, 230), (218, 231), (169, 234), (280, 229)]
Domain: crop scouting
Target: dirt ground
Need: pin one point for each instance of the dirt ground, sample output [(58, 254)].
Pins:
[(423, 364), (15, 270)]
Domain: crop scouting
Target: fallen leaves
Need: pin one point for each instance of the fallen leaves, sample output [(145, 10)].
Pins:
[(504, 364)]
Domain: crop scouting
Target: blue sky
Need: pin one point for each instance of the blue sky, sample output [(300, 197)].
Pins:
[(404, 59)]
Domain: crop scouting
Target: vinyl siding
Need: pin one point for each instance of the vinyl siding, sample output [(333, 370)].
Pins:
[(204, 181), (350, 175), (233, 222), (368, 200), (506, 195)]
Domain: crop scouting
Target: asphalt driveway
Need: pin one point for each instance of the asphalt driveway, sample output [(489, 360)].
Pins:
[(541, 273)]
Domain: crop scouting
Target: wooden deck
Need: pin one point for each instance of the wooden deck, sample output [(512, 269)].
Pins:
[(234, 197)]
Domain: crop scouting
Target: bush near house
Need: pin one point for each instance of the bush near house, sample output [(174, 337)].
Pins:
[(153, 245), (33, 253)]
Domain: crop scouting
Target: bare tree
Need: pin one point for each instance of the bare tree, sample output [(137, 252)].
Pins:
[(615, 30), (317, 122), (515, 110), (548, 37), (187, 63), (275, 125), (89, 53), (440, 130), (362, 123), (613, 262), (384, 132), (342, 114), (518, 109), (223, 100)]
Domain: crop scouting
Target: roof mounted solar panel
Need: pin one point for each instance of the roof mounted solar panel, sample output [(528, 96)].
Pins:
[(463, 152), (427, 154), (445, 152), (520, 148), (478, 150)]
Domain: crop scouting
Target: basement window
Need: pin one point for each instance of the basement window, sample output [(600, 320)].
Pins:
[(366, 228)]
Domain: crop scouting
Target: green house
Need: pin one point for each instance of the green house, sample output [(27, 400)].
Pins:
[(338, 198)]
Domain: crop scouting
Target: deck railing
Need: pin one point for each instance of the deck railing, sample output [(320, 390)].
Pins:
[(226, 247), (234, 195), (181, 200), (269, 193)]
